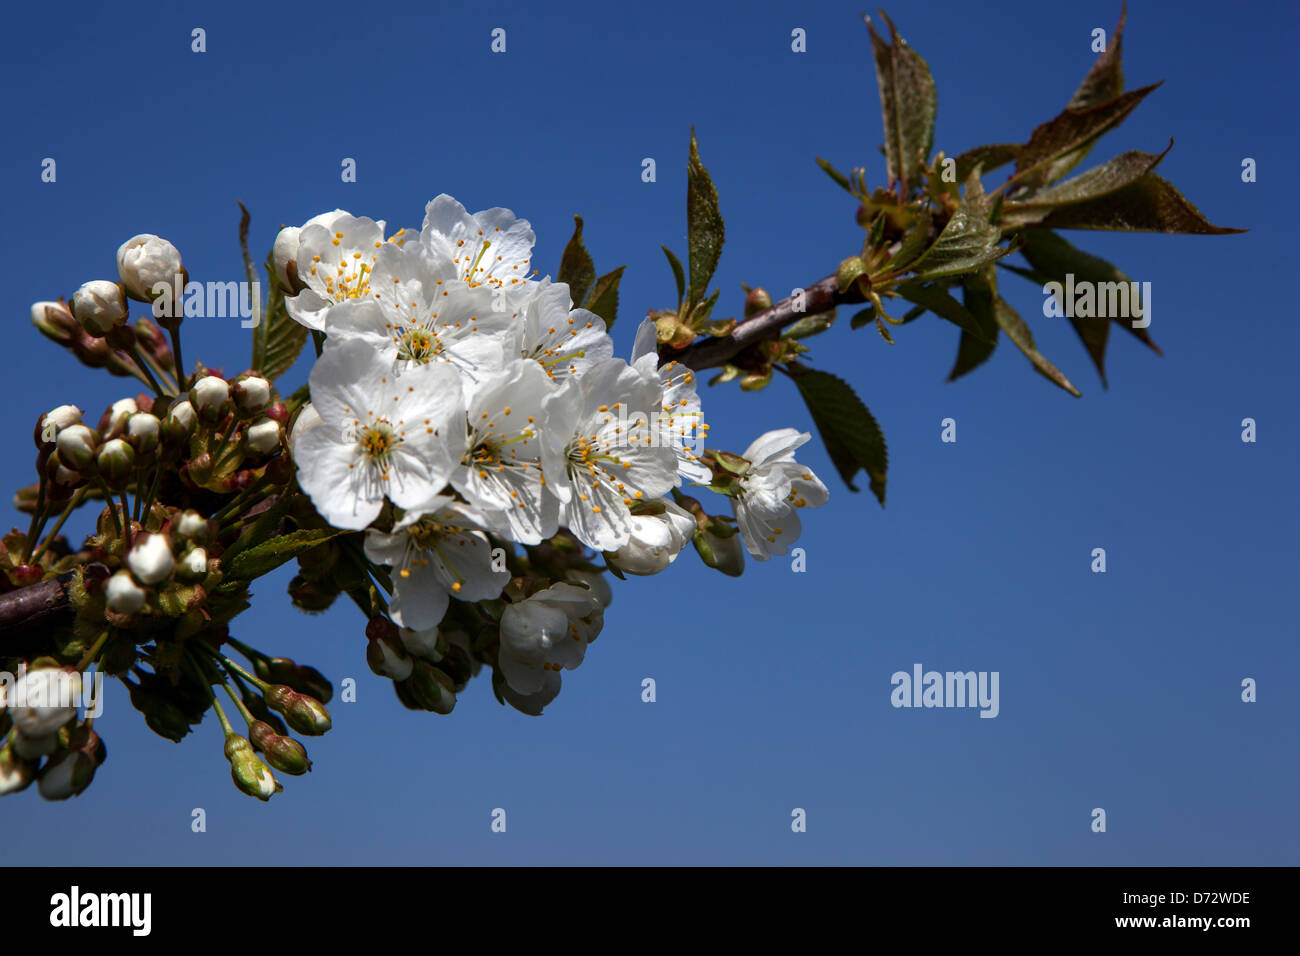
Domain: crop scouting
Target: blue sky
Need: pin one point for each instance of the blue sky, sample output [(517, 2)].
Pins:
[(1118, 690)]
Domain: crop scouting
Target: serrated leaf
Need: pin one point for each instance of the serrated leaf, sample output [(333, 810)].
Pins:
[(908, 105), (260, 559), (840, 179), (603, 298), (1151, 204), (987, 158), (576, 268), (284, 341), (1112, 176), (1068, 134), (974, 351), (852, 437), (936, 299), (1053, 259), (704, 227), (679, 276), (913, 245), (1105, 79), (968, 241), (1010, 322)]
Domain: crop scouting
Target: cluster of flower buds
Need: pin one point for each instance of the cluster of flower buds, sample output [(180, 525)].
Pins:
[(41, 737), (241, 422), (167, 572)]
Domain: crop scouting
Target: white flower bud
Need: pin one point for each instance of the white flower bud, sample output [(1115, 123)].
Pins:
[(656, 540), (308, 418), (192, 526), (145, 260), (252, 394), (99, 306), (285, 254), (44, 700), (151, 559), (115, 461), (182, 413), (421, 643), (57, 419), (122, 594), (209, 394), (195, 564), (143, 431), (264, 436), (596, 583), (113, 423), (76, 445), (55, 321)]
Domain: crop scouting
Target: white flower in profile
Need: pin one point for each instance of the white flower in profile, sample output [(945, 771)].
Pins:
[(561, 341), (772, 489), (656, 539), (380, 435), (545, 634), (43, 700), (680, 420), (491, 248), (506, 464), (437, 551), (415, 317), (334, 263), (612, 455)]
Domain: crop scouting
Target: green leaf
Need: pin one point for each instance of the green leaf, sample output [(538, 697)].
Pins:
[(281, 338), (1151, 204), (913, 244), (703, 224), (987, 158), (1112, 176), (935, 298), (1058, 145), (1053, 259), (1010, 322), (908, 105), (263, 558), (863, 317), (704, 309), (840, 179), (678, 275), (603, 298), (576, 267), (809, 325), (974, 351), (967, 242), (852, 437)]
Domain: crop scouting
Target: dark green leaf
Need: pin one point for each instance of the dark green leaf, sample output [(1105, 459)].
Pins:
[(703, 224), (280, 337), (935, 298), (853, 438), (809, 325), (678, 275), (863, 317), (988, 158), (968, 241), (913, 244), (1010, 322), (263, 558), (1099, 181), (1105, 80), (603, 298), (1066, 136), (907, 104), (1151, 204), (840, 179), (974, 351), (576, 267)]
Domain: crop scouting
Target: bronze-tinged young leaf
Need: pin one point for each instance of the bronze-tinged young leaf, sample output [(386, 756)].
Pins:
[(576, 267), (1105, 80), (935, 298), (1010, 322), (603, 299), (1066, 134), (1124, 170), (914, 243), (987, 158), (974, 351), (1151, 204), (968, 241), (908, 105), (852, 437), (280, 339), (263, 558), (679, 277), (704, 228), (1053, 259)]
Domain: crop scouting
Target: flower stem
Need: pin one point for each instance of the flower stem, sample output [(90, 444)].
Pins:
[(72, 506), (38, 516)]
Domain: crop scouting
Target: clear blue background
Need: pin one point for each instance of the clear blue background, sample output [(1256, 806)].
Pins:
[(1119, 690)]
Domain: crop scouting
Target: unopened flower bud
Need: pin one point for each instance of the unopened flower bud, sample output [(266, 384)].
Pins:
[(16, 773), (432, 688), (251, 394), (304, 714), (726, 553), (145, 260), (263, 436), (209, 394), (143, 431), (757, 300), (192, 526), (69, 773), (54, 320), (282, 753), (151, 558), (77, 445), (54, 421), (656, 540), (181, 414), (122, 594), (43, 700), (100, 306), (112, 423), (427, 644), (285, 254), (247, 770), (34, 748), (387, 658), (115, 461), (194, 565)]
